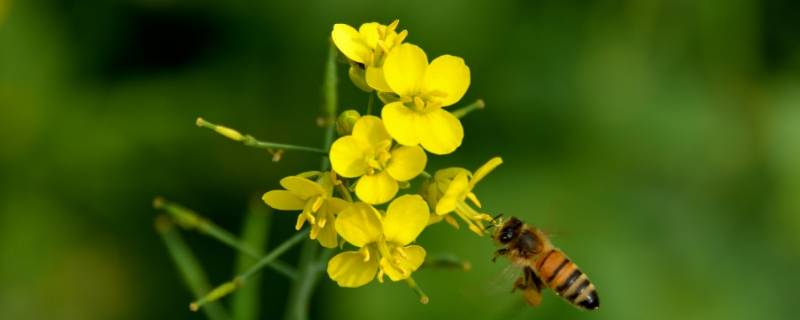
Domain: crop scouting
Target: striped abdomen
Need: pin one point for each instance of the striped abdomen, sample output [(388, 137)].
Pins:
[(564, 277)]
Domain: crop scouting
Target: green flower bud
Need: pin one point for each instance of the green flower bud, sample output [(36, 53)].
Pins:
[(346, 121), (358, 76)]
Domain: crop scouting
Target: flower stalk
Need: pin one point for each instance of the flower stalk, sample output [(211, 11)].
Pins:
[(189, 220), (190, 270), (465, 110), (250, 141), (423, 298), (240, 280)]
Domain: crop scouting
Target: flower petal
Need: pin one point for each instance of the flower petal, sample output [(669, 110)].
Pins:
[(484, 170), (455, 193), (303, 188), (376, 80), (350, 270), (283, 200), (370, 130), (327, 236), (350, 43), (347, 157), (335, 205), (404, 69), (446, 79), (401, 123), (439, 131), (400, 265), (377, 188), (405, 219), (359, 224), (406, 162), (369, 34)]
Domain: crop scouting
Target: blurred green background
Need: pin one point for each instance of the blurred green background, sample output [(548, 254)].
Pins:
[(658, 141)]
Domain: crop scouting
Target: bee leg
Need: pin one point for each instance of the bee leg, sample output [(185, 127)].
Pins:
[(499, 252), (521, 284)]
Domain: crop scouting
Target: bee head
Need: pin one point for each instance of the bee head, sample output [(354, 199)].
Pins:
[(508, 230)]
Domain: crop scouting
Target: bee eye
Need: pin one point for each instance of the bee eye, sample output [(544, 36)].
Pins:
[(506, 235)]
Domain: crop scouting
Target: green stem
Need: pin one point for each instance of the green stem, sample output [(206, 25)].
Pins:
[(423, 298), (255, 233), (370, 102), (190, 220), (302, 288), (240, 280), (188, 266), (251, 141), (463, 111)]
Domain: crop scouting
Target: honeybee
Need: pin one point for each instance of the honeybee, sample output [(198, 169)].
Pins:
[(542, 264)]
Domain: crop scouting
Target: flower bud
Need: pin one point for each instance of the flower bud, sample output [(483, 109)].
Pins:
[(346, 121), (358, 76)]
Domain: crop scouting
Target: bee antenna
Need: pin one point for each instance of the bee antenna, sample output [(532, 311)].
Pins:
[(497, 217), (494, 222)]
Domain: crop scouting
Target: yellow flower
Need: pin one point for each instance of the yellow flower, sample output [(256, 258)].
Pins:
[(316, 202), (423, 89), (367, 153), (383, 241), (367, 48), (449, 190)]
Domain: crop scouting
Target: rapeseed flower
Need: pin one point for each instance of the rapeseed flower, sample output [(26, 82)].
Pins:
[(366, 48), (423, 89), (367, 154), (449, 189), (315, 199), (383, 242)]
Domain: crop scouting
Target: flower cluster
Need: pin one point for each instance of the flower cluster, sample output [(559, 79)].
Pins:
[(380, 158)]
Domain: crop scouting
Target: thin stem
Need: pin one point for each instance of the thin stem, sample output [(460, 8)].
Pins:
[(370, 102), (344, 192), (275, 253), (446, 261), (240, 280), (463, 111), (190, 220), (423, 298), (425, 174), (250, 141), (188, 266)]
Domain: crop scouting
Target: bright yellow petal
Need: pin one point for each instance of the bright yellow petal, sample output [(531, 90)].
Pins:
[(350, 43), (404, 69), (302, 187), (484, 170), (455, 192), (348, 157), (405, 219), (327, 236), (377, 188), (400, 265), (369, 34), (359, 224), (401, 123), (350, 270), (283, 200), (376, 80), (370, 130), (439, 131), (446, 79), (334, 205), (406, 162)]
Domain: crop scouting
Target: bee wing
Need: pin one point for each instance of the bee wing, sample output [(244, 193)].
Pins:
[(503, 281)]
